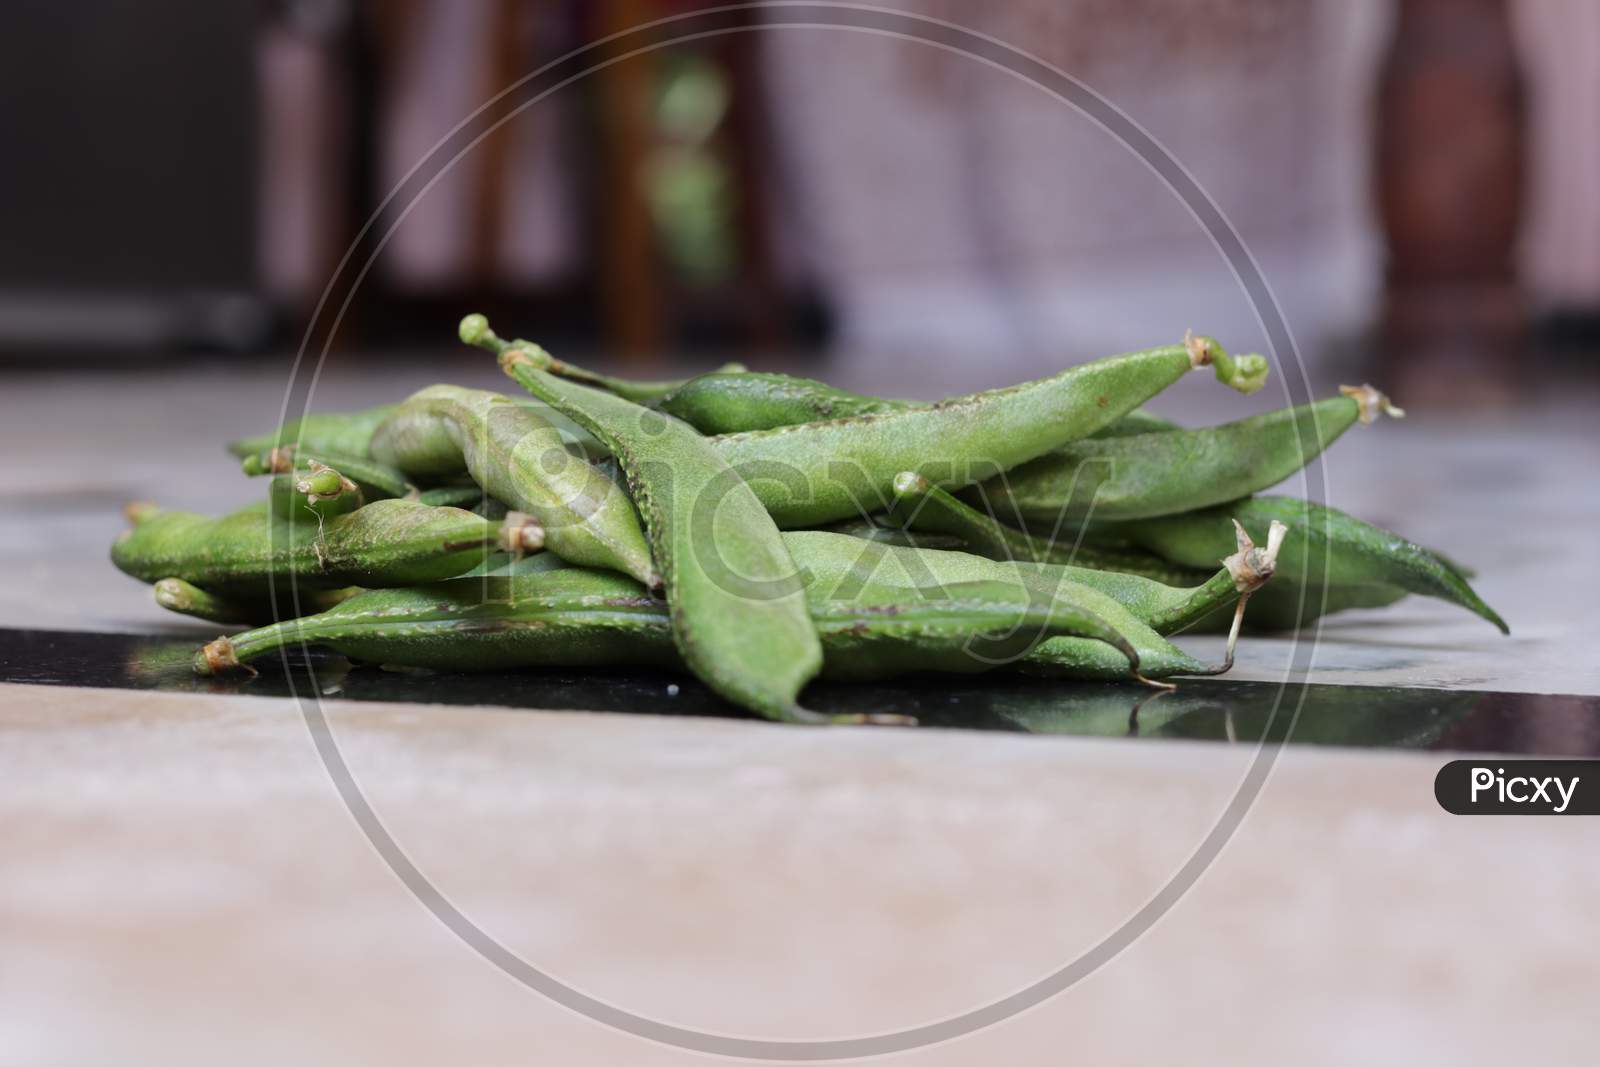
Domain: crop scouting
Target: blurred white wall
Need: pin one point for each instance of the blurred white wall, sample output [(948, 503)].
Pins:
[(1559, 41), (959, 212)]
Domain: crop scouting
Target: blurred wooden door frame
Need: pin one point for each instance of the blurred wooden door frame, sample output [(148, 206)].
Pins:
[(1449, 172)]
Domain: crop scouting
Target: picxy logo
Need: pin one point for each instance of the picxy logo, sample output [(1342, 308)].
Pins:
[(1522, 789), (1519, 787)]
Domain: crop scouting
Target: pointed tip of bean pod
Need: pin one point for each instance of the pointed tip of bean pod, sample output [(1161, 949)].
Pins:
[(1490, 615), (1370, 402)]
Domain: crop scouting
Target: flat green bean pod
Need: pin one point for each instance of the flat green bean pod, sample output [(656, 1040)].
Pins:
[(184, 598), (1157, 593), (349, 434), (724, 402), (738, 610), (640, 391), (1135, 422), (838, 569), (923, 507), (578, 617), (451, 496), (386, 543), (376, 480), (519, 457), (727, 402), (342, 433), (1163, 473), (1359, 555), (314, 494), (821, 472)]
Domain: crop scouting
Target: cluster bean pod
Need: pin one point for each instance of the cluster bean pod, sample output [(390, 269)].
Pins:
[(1149, 474), (577, 617), (1362, 561), (737, 606), (385, 543), (519, 457), (821, 472)]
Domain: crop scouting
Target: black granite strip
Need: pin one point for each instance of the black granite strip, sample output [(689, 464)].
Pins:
[(1202, 709)]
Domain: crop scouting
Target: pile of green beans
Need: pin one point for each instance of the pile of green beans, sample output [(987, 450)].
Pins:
[(760, 530)]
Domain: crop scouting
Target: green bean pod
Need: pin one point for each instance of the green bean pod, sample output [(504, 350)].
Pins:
[(639, 391), (184, 598), (723, 402), (1358, 555), (1150, 474), (821, 472), (519, 457), (738, 610), (314, 494), (829, 559), (376, 480), (1135, 422), (1285, 605), (838, 569), (578, 617), (342, 433), (387, 543), (1157, 591), (451, 496), (885, 533), (923, 507)]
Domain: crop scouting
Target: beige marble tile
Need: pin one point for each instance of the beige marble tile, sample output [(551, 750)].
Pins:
[(182, 883)]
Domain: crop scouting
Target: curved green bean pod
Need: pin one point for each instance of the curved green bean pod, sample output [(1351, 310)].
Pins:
[(342, 433), (1285, 604), (377, 481), (1358, 554), (315, 494), (580, 617), (821, 472), (1130, 603), (1151, 474), (839, 571), (640, 391), (869, 530), (722, 402), (451, 496), (1135, 422), (738, 610), (184, 598), (518, 457), (386, 543), (924, 507)]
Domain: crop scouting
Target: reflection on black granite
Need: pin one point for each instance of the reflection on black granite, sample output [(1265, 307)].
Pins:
[(1201, 709)]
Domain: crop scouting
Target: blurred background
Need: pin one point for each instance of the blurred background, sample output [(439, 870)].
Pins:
[(1419, 180)]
